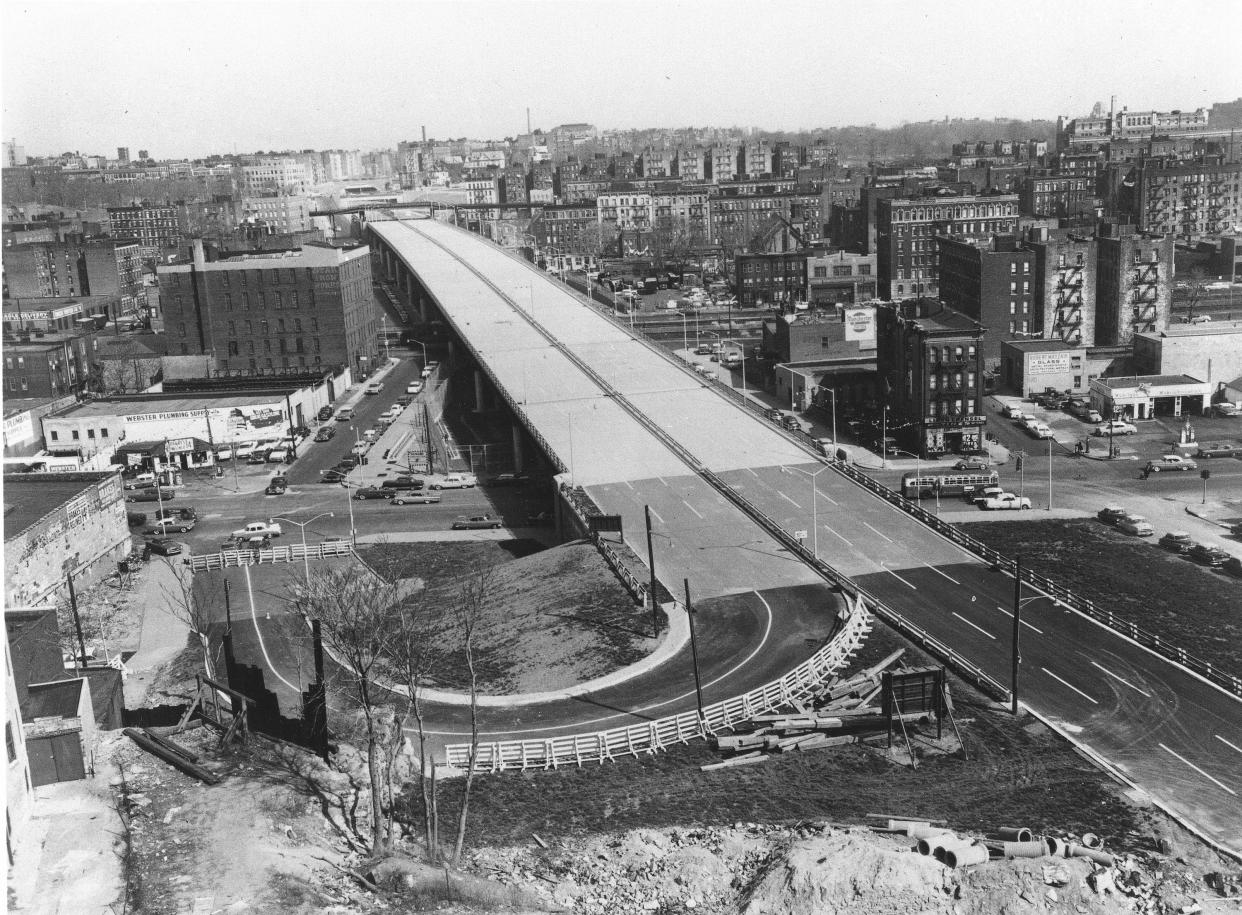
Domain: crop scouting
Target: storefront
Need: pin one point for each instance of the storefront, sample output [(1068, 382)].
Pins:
[(953, 434), (173, 453), (1148, 396)]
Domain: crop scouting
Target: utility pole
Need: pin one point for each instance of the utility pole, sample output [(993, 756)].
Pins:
[(694, 653), (77, 620), (1017, 626), (1049, 474), (655, 613)]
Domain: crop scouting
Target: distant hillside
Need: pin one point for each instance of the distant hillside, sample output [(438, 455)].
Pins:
[(921, 140)]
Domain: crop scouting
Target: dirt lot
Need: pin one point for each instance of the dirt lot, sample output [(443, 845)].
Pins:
[(552, 618), (1188, 604)]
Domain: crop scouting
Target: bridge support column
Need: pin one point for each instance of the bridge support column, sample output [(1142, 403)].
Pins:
[(452, 354), (518, 461), (478, 391), (423, 311)]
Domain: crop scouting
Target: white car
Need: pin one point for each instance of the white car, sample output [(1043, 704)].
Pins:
[(456, 481), (1006, 501), (1136, 525), (259, 529), (1115, 427), (245, 449), (414, 387)]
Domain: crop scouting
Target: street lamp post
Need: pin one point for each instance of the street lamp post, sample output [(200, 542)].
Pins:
[(302, 525), (814, 503), (685, 333), (424, 346), (918, 475), (833, 392)]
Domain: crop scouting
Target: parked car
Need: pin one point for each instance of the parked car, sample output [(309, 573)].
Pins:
[(1207, 555), (373, 492), (456, 481), (1038, 429), (258, 529), (404, 400), (1218, 449), (509, 479), (1006, 501), (1136, 525), (300, 432), (161, 546), (245, 449), (324, 413), (972, 463), (280, 456), (165, 525), (414, 387), (1111, 514), (1170, 462), (332, 475), (177, 512), (1225, 409), (426, 372), (277, 486), (150, 495), (414, 497), (1176, 542), (375, 387), (1013, 411), (136, 519), (259, 456), (476, 522), (325, 433), (140, 481), (224, 454), (1115, 427)]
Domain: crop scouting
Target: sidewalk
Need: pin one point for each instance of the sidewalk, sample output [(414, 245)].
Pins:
[(164, 633), (69, 857)]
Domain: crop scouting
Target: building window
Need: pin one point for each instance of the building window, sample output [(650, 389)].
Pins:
[(103, 432), (76, 435), (1013, 307), (821, 272), (55, 436)]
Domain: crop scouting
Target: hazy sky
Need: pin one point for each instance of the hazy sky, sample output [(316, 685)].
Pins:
[(183, 78)]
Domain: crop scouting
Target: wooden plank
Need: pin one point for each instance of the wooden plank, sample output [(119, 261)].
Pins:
[(736, 761)]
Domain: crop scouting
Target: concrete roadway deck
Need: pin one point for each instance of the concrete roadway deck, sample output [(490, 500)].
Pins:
[(1179, 737)]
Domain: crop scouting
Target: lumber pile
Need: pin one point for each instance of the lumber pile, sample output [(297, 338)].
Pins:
[(841, 712)]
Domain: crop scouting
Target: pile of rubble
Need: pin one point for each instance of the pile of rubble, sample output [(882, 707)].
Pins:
[(825, 869), (840, 712)]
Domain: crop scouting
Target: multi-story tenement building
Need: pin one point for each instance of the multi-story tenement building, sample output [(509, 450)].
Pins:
[(932, 367), (565, 140), (624, 167), (1065, 283), (480, 190), (584, 190), (682, 217), (572, 228), (75, 267), (266, 313), (278, 213), (1134, 280), (770, 279), (906, 228), (840, 278), (157, 229), (722, 163), (691, 163), (992, 281), (1186, 199), (513, 185), (754, 159), (626, 211), (737, 220), (656, 163), (48, 364), (281, 175), (1050, 195)]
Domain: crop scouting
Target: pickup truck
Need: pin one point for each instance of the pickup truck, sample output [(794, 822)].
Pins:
[(1170, 462), (259, 529)]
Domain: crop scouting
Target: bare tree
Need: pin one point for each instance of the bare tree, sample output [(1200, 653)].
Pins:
[(1196, 289), (471, 600), (356, 610), (184, 603)]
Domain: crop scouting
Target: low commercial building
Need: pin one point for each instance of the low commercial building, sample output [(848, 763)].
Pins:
[(1148, 396), (840, 277), (832, 334), (766, 279), (1032, 366), (1212, 352), (57, 524)]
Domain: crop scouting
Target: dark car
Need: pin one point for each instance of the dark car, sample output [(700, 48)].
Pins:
[(333, 476), (136, 519), (404, 482), (1111, 514), (374, 492), (324, 413), (259, 456), (476, 522), (1218, 449), (186, 512), (161, 546), (150, 495), (405, 400), (325, 433), (300, 431), (1176, 542), (277, 487), (972, 463), (1207, 555), (509, 479)]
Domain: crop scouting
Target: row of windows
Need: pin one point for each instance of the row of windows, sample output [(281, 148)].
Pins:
[(950, 381), (283, 345), (77, 436)]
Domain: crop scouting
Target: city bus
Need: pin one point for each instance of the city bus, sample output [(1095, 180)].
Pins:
[(927, 482)]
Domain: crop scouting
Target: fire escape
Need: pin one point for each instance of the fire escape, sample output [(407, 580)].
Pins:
[(1217, 220), (1144, 292), (1067, 322)]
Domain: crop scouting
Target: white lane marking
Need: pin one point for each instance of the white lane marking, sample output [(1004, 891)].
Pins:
[(831, 531), (973, 626), (1214, 781), (692, 508), (1024, 622), (1227, 743), (881, 533), (752, 473), (826, 496), (662, 480), (767, 631), (1121, 679), (657, 517), (789, 500), (1070, 685), (898, 577), (254, 616), (628, 483), (941, 574)]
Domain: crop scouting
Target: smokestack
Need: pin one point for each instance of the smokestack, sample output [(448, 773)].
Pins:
[(424, 133)]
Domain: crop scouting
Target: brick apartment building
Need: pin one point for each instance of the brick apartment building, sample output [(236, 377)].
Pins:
[(309, 309), (992, 281), (76, 267), (1134, 280), (766, 279), (1189, 199), (156, 228)]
